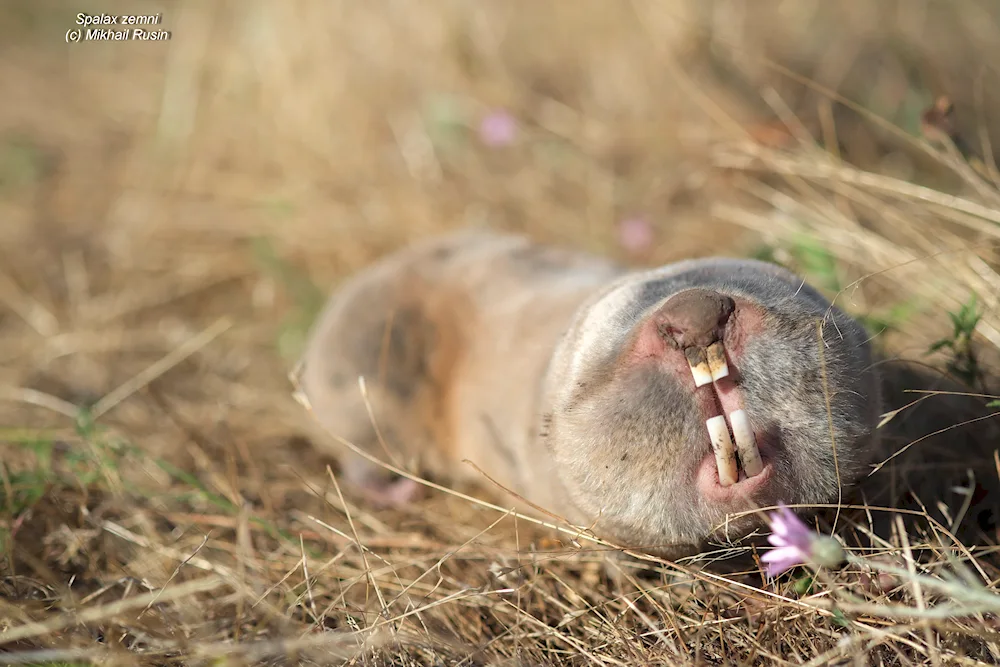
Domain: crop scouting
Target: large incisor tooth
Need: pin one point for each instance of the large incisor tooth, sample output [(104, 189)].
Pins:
[(746, 443), (717, 365), (699, 366), (725, 454)]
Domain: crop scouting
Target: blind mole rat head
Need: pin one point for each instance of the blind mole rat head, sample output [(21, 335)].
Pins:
[(705, 389)]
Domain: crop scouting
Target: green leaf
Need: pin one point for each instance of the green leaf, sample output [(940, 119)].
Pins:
[(944, 342), (817, 262), (803, 585), (193, 481)]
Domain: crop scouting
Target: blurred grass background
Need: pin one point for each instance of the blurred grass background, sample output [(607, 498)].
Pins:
[(172, 215)]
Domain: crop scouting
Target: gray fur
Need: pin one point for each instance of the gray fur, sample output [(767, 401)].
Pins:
[(598, 414)]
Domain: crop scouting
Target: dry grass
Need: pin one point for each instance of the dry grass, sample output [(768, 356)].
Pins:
[(167, 209)]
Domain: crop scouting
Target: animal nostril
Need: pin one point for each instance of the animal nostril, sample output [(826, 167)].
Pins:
[(694, 317)]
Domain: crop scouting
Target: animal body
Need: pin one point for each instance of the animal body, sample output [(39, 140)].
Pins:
[(659, 407)]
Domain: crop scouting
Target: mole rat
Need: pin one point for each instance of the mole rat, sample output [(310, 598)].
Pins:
[(658, 407)]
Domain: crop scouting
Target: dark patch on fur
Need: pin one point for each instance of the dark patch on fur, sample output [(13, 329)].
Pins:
[(655, 290), (543, 431), (338, 379), (410, 341), (299, 445), (442, 254)]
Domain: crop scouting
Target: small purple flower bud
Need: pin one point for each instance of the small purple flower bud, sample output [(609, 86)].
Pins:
[(498, 128), (635, 234), (796, 544)]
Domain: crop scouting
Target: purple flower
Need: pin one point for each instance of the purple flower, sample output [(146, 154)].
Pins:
[(795, 544), (498, 128), (635, 234)]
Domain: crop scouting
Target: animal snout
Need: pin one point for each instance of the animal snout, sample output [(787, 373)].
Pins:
[(694, 318)]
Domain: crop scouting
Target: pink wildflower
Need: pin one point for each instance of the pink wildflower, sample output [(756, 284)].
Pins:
[(498, 128), (796, 544), (635, 234)]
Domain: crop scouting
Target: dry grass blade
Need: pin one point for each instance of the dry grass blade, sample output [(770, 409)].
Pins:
[(178, 355), (179, 592)]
